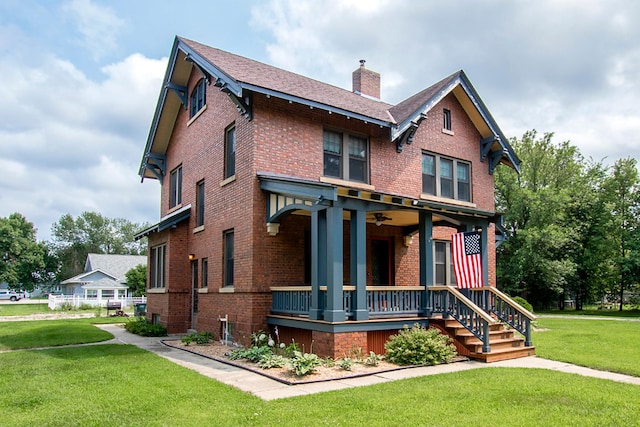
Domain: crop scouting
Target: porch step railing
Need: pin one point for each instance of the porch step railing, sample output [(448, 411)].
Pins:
[(381, 301), (448, 301), (504, 308)]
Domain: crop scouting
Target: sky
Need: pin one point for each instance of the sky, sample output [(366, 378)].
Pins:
[(80, 79)]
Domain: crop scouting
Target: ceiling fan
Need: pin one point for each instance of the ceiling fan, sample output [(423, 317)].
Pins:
[(379, 218)]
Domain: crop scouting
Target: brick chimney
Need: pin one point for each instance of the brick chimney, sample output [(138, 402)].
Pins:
[(366, 82)]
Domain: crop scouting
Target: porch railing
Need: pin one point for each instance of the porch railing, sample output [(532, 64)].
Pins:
[(448, 301), (507, 310), (381, 301)]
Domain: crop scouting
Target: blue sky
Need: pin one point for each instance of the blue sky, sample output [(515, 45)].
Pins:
[(80, 78)]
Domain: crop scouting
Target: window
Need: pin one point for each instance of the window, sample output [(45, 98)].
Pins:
[(200, 203), (205, 273), (198, 97), (157, 272), (445, 177), (108, 293), (443, 264), (175, 187), (447, 119), (230, 152), (346, 156), (92, 293), (228, 258)]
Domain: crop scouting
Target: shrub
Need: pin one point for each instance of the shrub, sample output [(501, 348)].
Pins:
[(346, 363), (252, 354), (198, 337), (524, 303), (304, 363), (272, 361), (419, 346), (141, 326)]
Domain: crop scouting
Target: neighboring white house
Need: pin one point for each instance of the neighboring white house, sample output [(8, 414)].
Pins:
[(103, 278)]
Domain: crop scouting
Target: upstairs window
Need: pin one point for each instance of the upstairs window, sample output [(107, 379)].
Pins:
[(444, 177), (200, 203), (198, 98), (230, 152), (175, 187), (446, 115), (346, 156)]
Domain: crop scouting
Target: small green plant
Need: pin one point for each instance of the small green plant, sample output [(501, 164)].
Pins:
[(346, 363), (198, 337), (141, 326), (304, 363), (372, 359), (272, 361), (328, 362), (419, 346), (252, 354), (291, 349)]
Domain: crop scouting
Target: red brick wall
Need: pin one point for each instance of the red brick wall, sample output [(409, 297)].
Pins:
[(339, 345)]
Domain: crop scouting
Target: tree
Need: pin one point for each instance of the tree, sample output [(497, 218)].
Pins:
[(91, 232), (24, 262), (137, 280), (535, 261), (622, 190)]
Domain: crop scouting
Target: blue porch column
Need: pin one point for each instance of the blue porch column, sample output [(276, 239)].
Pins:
[(425, 228), (318, 261), (359, 264), (334, 311)]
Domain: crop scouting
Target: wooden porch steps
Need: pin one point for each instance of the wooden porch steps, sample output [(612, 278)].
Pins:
[(504, 344)]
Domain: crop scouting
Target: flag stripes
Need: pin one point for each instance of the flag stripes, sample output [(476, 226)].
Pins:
[(467, 261)]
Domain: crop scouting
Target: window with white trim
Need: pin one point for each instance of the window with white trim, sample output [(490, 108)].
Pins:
[(443, 264), (346, 156), (446, 177)]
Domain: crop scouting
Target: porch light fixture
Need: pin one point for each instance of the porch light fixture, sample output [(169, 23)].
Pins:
[(378, 223), (192, 257), (408, 240)]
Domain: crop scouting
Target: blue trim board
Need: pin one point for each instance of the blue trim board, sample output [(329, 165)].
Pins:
[(350, 326)]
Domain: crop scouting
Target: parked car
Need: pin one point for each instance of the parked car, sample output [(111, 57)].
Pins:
[(10, 295)]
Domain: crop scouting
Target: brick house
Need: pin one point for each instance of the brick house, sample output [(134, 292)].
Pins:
[(327, 213)]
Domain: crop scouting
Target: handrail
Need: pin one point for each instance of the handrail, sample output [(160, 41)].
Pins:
[(507, 310), (451, 302)]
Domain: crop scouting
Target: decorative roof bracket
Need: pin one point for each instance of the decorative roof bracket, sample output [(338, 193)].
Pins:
[(156, 164), (205, 73), (485, 145), (179, 90), (494, 159), (407, 136)]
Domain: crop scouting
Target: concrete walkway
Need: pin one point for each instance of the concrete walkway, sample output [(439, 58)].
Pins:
[(268, 389)]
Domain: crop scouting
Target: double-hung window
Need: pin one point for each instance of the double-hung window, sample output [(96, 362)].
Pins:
[(230, 152), (445, 177), (157, 260), (346, 156), (200, 203), (175, 187), (198, 98), (443, 265)]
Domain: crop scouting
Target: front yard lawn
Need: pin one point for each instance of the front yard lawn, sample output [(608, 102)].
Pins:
[(610, 345), (46, 333)]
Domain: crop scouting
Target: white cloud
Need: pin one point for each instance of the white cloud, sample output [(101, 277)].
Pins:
[(98, 25), (71, 144)]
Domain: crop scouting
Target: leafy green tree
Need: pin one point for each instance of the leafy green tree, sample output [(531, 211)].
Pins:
[(535, 261), (622, 190), (90, 232), (24, 262), (137, 280)]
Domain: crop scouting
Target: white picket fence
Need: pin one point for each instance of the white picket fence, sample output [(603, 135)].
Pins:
[(57, 301)]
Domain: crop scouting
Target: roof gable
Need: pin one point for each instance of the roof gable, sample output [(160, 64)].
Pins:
[(115, 266), (240, 77)]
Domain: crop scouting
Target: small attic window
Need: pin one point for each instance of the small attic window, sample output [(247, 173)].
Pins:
[(198, 98), (446, 115)]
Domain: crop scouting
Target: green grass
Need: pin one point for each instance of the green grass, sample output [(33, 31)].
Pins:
[(609, 345), (24, 309), (592, 311), (46, 333), (117, 385)]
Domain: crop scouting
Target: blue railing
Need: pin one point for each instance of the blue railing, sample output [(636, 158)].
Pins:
[(382, 301), (507, 310), (448, 301)]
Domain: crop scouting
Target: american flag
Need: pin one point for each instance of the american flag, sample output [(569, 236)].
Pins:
[(467, 261)]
